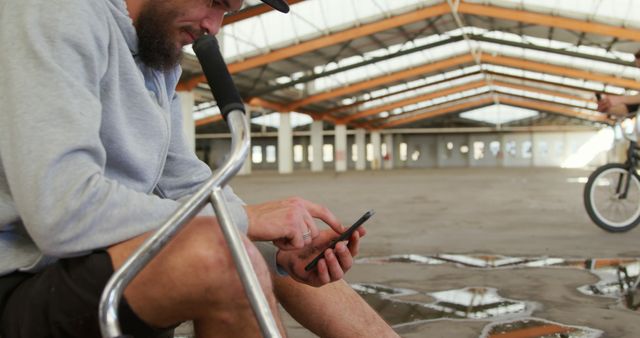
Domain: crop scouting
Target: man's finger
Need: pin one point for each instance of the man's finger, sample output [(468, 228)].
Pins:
[(312, 229), (323, 272), (344, 256), (321, 212), (335, 271), (354, 244)]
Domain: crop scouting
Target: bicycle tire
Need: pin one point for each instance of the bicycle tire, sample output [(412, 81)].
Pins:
[(603, 204)]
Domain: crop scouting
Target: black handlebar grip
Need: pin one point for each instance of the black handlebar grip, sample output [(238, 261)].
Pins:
[(217, 74)]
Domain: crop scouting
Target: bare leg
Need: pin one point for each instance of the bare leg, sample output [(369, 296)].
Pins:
[(194, 278), (333, 310)]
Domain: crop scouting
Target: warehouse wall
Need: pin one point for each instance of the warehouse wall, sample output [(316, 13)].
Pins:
[(518, 149)]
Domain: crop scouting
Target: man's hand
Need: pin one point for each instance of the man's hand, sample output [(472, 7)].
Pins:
[(331, 268), (604, 104), (614, 106), (285, 222)]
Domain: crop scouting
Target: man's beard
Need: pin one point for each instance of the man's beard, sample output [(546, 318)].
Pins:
[(157, 38)]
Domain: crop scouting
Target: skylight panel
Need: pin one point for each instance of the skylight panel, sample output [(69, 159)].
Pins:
[(273, 120), (389, 66), (206, 112), (499, 114), (421, 91), (307, 20), (587, 85)]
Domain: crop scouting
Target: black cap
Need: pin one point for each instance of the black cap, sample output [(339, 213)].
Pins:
[(280, 5)]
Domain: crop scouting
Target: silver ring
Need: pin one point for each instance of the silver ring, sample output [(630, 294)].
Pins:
[(306, 235)]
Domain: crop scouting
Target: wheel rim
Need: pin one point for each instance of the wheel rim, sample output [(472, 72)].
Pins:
[(610, 209)]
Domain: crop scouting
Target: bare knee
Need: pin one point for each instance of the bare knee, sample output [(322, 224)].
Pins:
[(216, 273), (193, 276)]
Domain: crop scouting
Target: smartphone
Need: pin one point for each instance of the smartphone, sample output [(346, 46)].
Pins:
[(343, 237), (598, 96)]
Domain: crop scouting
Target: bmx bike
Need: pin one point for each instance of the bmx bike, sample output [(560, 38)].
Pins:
[(612, 193)]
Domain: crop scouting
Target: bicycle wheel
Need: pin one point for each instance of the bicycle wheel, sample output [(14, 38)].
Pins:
[(604, 202)]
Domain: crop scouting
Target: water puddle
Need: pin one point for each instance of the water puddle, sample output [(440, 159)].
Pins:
[(406, 306), (537, 328), (617, 280), (617, 275), (478, 261)]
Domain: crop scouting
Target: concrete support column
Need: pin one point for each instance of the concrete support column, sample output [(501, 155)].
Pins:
[(377, 157), (361, 146), (246, 167), (389, 156), (285, 144), (340, 147), (316, 146), (187, 101)]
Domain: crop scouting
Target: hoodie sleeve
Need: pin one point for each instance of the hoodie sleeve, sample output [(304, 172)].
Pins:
[(50, 143), (184, 172)]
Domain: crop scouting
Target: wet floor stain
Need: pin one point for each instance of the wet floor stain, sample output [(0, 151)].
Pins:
[(468, 303), (535, 327), (618, 276), (619, 279), (509, 318)]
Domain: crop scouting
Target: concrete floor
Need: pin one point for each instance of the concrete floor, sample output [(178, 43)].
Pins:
[(513, 212)]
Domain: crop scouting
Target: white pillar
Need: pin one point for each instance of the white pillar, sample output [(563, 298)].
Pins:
[(361, 146), (246, 167), (187, 101), (340, 147), (316, 146), (285, 144), (388, 159), (377, 157)]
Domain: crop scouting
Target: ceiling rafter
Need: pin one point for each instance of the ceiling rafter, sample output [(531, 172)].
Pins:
[(558, 70), (466, 58), (382, 80), (550, 107), (357, 103), (539, 90), (335, 38), (550, 83), (412, 100), (357, 65), (439, 111), (487, 100), (562, 107), (491, 12), (549, 20), (343, 36)]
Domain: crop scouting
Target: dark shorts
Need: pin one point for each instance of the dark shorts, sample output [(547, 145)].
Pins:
[(62, 301)]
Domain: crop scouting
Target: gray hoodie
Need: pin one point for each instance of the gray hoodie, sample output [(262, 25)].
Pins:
[(91, 148)]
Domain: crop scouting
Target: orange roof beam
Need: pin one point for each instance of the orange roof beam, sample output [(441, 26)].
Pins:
[(412, 100), (339, 37), (357, 103), (439, 111), (336, 38), (208, 120), (456, 61), (549, 20), (550, 107), (539, 90), (509, 85), (558, 70), (504, 99), (383, 80)]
